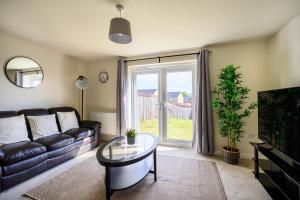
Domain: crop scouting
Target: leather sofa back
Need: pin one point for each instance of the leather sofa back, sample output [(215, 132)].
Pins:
[(4, 114), (64, 109), (38, 112), (34, 112)]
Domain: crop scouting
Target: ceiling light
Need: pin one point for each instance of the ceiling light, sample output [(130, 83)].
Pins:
[(119, 30)]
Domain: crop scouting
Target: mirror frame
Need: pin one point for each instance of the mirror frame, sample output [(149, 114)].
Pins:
[(5, 68)]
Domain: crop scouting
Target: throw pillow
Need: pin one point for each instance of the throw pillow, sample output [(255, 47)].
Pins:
[(13, 129), (67, 120), (42, 126)]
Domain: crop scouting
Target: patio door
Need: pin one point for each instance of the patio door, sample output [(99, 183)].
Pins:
[(162, 101), (146, 102), (178, 105)]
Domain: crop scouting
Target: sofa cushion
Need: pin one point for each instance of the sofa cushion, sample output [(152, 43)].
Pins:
[(56, 141), (79, 133), (13, 129), (32, 112), (67, 120), (63, 109), (15, 152), (61, 151), (85, 141), (23, 165), (42, 126)]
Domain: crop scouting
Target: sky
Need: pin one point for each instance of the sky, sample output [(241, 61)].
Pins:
[(176, 81)]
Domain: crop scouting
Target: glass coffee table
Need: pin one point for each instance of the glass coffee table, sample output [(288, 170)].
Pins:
[(126, 164)]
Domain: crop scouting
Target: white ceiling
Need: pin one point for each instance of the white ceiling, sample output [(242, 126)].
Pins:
[(80, 27)]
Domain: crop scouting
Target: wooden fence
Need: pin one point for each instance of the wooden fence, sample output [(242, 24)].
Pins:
[(149, 109)]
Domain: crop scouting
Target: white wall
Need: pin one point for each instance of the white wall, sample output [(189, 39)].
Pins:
[(251, 56), (101, 97), (265, 64), (284, 56), (58, 87)]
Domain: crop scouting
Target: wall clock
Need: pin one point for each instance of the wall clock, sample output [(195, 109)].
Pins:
[(103, 77)]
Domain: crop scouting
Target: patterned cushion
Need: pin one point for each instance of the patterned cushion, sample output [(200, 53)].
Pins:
[(13, 129), (42, 126), (67, 120)]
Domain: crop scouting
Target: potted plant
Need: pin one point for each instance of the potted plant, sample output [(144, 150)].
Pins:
[(229, 104), (130, 134)]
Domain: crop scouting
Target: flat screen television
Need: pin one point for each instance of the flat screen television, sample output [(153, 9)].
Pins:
[(279, 120)]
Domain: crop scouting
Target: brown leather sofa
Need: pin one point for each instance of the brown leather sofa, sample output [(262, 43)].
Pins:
[(23, 160)]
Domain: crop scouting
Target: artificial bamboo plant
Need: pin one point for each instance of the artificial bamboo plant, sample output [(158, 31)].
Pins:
[(229, 104)]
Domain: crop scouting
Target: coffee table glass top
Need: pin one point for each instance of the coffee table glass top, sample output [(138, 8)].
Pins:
[(119, 150)]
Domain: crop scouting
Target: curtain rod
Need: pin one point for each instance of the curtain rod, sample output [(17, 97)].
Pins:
[(159, 57), (31, 71)]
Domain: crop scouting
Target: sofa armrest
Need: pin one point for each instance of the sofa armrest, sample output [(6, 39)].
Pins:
[(94, 125), (0, 178), (2, 154)]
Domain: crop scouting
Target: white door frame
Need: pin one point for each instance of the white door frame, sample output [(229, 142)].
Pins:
[(134, 104), (162, 71)]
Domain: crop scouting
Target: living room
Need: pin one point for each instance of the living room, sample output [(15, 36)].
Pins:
[(132, 97)]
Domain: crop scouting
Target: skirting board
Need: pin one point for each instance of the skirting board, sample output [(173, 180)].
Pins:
[(244, 156), (106, 137)]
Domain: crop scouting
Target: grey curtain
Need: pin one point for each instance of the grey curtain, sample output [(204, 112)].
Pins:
[(122, 85), (203, 138), (19, 78)]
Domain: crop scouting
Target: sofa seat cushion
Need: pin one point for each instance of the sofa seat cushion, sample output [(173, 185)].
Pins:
[(56, 141), (23, 165), (61, 151), (79, 133), (15, 152)]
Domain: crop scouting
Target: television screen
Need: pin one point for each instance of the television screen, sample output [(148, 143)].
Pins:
[(279, 120)]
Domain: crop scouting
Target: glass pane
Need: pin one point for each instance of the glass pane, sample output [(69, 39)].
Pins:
[(147, 103), (179, 105), (120, 150)]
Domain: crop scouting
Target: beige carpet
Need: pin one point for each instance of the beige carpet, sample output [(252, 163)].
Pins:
[(178, 179)]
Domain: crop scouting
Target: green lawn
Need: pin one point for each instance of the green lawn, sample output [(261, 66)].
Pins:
[(178, 129)]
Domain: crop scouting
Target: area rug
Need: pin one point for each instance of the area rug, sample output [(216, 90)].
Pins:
[(178, 179)]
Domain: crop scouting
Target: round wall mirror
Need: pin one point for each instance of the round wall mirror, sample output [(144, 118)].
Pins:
[(24, 72)]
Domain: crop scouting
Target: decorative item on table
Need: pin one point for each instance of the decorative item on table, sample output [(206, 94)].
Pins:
[(131, 134), (230, 97)]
